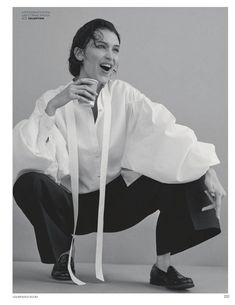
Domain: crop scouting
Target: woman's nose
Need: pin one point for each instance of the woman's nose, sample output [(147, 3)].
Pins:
[(109, 54)]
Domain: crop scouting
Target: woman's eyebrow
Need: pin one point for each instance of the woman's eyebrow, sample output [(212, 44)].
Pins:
[(106, 43)]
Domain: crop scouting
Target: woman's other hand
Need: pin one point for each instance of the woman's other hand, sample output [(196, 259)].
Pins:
[(80, 90), (214, 191)]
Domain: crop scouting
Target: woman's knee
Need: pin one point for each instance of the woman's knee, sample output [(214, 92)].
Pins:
[(27, 183)]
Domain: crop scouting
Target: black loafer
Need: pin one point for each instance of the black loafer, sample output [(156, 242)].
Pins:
[(60, 270), (171, 279)]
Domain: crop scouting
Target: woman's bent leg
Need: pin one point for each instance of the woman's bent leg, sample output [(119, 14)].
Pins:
[(49, 209), (181, 223)]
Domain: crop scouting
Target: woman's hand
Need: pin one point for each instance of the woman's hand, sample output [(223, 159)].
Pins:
[(79, 90), (214, 191)]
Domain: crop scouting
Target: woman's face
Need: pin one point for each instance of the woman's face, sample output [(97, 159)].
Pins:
[(100, 56)]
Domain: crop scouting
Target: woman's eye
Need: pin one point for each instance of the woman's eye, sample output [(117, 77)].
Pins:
[(116, 50), (100, 46)]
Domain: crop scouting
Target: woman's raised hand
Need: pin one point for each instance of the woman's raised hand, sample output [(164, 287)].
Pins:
[(81, 90)]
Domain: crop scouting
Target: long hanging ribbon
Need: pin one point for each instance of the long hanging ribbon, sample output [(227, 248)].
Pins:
[(74, 172), (103, 174)]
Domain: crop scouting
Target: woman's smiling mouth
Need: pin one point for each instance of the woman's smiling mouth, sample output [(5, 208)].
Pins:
[(106, 67)]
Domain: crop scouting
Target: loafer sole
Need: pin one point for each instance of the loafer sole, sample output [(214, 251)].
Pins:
[(173, 287), (61, 277)]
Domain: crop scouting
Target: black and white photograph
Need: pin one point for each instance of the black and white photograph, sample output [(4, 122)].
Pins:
[(120, 150)]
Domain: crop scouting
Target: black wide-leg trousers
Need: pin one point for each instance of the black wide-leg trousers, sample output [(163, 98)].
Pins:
[(180, 225)]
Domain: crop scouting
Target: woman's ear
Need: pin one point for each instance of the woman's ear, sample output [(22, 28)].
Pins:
[(78, 53)]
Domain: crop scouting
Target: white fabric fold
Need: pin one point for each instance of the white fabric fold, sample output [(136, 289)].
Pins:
[(159, 148)]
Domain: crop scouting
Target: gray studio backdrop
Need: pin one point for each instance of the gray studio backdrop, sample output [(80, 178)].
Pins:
[(176, 56)]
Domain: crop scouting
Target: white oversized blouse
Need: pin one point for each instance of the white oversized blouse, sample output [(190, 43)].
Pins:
[(144, 138), (141, 137)]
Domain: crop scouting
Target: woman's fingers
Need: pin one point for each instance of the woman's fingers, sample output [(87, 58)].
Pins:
[(82, 99), (88, 89), (84, 93), (216, 199), (208, 207), (214, 191), (218, 205), (83, 81), (210, 195), (86, 83)]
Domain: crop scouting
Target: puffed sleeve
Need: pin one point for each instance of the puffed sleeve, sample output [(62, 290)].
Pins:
[(159, 148), (38, 143)]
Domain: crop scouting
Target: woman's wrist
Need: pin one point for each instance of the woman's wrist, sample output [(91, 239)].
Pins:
[(211, 171), (210, 174), (50, 109)]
